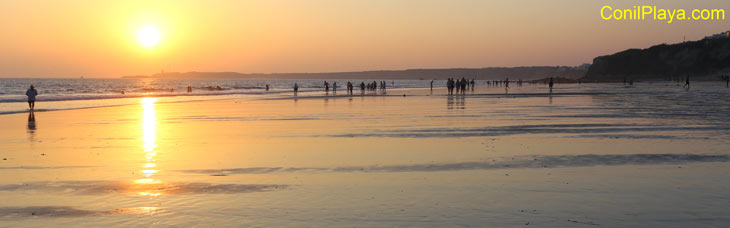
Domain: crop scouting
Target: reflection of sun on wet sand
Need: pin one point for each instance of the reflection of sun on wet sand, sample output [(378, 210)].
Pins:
[(147, 184)]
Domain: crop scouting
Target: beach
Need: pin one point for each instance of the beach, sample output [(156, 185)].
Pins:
[(649, 155)]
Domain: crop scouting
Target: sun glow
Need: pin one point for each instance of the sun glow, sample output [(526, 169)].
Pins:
[(149, 36)]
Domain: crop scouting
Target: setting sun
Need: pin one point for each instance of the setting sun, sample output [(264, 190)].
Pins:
[(149, 36)]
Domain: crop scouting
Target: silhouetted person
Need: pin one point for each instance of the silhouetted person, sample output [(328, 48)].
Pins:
[(462, 85), (31, 93), (431, 85), (326, 87), (334, 87), (551, 83), (267, 87), (686, 83), (296, 88), (190, 89), (450, 85), (457, 85), (506, 85)]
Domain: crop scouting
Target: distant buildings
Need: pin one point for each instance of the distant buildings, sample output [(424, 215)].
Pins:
[(719, 35)]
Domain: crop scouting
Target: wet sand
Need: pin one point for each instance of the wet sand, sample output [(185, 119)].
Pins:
[(574, 158)]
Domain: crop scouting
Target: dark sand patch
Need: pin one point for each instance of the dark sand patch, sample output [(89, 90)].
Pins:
[(521, 162), (531, 129)]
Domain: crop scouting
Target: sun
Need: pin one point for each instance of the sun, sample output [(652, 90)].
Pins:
[(149, 36)]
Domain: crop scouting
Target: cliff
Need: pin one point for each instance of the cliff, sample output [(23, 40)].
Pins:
[(703, 59)]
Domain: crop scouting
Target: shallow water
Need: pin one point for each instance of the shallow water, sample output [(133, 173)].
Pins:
[(652, 155), (68, 93)]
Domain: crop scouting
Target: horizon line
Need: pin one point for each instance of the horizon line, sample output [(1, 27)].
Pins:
[(274, 73)]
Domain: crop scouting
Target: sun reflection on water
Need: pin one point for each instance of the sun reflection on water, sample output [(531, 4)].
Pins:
[(148, 186)]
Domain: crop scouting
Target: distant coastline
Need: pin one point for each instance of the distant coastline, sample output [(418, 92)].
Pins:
[(489, 73)]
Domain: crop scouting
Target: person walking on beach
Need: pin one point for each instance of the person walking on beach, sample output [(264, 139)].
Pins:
[(464, 83), (334, 87), (267, 87), (296, 88), (448, 85), (686, 84), (551, 84), (431, 85), (31, 93), (506, 85), (457, 85), (326, 87)]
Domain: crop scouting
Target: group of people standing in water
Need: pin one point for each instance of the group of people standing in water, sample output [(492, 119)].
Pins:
[(382, 85), (459, 85), (371, 86)]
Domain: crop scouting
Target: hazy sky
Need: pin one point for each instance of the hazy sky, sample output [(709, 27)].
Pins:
[(73, 38)]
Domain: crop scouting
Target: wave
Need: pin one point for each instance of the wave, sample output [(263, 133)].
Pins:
[(68, 211), (72, 97), (167, 188), (46, 167)]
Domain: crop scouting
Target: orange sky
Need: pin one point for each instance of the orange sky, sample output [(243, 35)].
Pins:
[(75, 38)]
